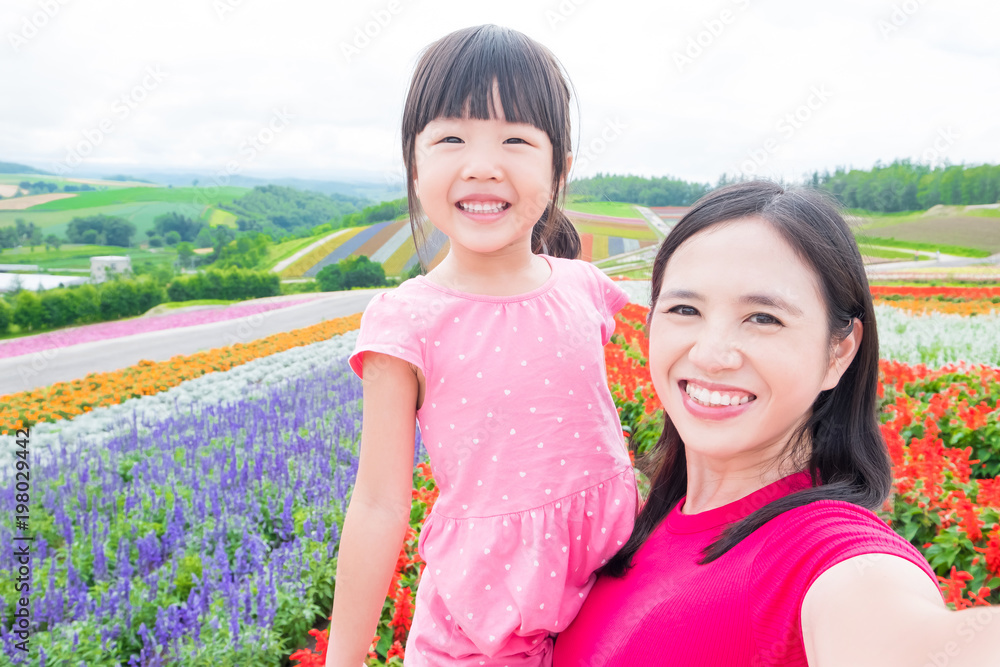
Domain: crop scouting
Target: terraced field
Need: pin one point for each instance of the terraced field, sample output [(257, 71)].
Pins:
[(391, 243)]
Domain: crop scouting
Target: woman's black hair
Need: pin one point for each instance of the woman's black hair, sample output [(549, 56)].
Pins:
[(847, 456), (454, 79)]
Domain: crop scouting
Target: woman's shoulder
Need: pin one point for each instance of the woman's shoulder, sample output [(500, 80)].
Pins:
[(823, 519), (815, 536)]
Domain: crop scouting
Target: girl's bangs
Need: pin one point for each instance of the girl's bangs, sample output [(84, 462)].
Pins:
[(465, 88)]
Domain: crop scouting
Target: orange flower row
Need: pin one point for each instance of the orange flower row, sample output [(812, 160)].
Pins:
[(931, 291), (65, 400), (920, 306)]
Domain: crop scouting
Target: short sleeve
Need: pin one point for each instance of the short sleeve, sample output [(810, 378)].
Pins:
[(609, 297), (390, 325), (805, 543)]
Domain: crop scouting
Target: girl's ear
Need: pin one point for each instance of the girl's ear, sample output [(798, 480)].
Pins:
[(843, 354), (565, 176)]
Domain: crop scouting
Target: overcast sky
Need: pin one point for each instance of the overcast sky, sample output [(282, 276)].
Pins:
[(687, 89)]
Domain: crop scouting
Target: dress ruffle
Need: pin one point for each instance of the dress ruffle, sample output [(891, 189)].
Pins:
[(529, 571)]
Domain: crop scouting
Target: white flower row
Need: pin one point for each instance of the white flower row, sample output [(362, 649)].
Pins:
[(935, 339), (249, 379)]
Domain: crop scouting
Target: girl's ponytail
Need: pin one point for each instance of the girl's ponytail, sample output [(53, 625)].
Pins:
[(555, 235)]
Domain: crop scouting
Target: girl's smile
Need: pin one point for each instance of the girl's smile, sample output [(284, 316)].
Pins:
[(484, 183)]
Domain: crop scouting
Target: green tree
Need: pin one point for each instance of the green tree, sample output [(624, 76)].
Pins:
[(52, 240), (172, 237), (351, 272), (119, 232), (35, 237), (185, 255), (185, 227), (57, 309), (6, 316), (330, 278), (27, 311)]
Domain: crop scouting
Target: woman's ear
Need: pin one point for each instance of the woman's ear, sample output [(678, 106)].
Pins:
[(843, 354)]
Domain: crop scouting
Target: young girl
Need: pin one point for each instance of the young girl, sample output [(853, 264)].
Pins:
[(497, 354)]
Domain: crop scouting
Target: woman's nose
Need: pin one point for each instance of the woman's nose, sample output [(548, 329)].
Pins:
[(716, 350)]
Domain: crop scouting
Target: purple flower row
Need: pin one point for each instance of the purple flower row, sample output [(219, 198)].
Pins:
[(240, 500), (105, 330)]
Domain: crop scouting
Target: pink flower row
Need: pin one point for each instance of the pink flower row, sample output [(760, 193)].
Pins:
[(105, 330)]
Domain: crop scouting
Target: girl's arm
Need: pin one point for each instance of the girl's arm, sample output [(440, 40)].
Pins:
[(880, 610), (379, 512)]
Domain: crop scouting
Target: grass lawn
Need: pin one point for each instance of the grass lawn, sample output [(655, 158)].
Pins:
[(71, 256), (141, 214), (883, 253), (280, 251), (195, 196), (613, 208), (196, 302), (949, 235), (216, 217), (984, 212)]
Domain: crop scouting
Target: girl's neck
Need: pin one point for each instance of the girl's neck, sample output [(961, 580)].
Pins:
[(508, 273)]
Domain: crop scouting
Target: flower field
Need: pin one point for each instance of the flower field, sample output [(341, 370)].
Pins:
[(188, 512), (105, 330)]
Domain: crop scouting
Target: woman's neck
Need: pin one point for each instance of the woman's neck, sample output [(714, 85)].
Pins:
[(711, 486)]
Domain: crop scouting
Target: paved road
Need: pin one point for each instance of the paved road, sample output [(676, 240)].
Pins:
[(945, 261), (69, 363)]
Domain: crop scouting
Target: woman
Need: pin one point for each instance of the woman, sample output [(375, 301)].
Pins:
[(758, 545)]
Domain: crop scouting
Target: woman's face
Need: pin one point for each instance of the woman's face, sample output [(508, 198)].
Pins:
[(740, 344)]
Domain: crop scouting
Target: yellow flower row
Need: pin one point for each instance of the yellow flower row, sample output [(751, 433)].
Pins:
[(64, 400)]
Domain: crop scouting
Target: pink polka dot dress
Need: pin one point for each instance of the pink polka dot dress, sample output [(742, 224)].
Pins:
[(536, 488)]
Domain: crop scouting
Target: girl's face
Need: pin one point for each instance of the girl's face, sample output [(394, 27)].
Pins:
[(740, 345), (483, 183)]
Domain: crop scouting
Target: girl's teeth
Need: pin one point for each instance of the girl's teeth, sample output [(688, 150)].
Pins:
[(480, 208)]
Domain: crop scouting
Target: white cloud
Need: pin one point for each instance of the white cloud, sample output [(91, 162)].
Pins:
[(342, 70)]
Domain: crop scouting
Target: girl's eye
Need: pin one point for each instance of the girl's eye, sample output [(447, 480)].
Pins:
[(515, 140), (451, 140), (687, 311), (764, 318)]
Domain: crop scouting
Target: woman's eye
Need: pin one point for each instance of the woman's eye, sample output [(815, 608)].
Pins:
[(683, 310), (764, 318)]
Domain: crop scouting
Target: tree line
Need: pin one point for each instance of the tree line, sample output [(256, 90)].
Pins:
[(655, 191), (905, 186)]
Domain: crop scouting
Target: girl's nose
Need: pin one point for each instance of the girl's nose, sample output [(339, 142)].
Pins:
[(483, 164)]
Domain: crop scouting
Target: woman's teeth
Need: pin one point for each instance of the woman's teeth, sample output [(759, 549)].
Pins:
[(477, 207), (706, 397)]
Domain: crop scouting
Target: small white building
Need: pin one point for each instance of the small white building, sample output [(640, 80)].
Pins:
[(102, 265)]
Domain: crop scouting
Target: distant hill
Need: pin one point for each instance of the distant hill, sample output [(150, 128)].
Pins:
[(14, 168), (373, 191)]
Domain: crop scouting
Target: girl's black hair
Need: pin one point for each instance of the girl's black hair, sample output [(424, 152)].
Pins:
[(455, 78), (847, 456)]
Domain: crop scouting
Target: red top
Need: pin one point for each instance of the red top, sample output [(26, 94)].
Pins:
[(741, 609)]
